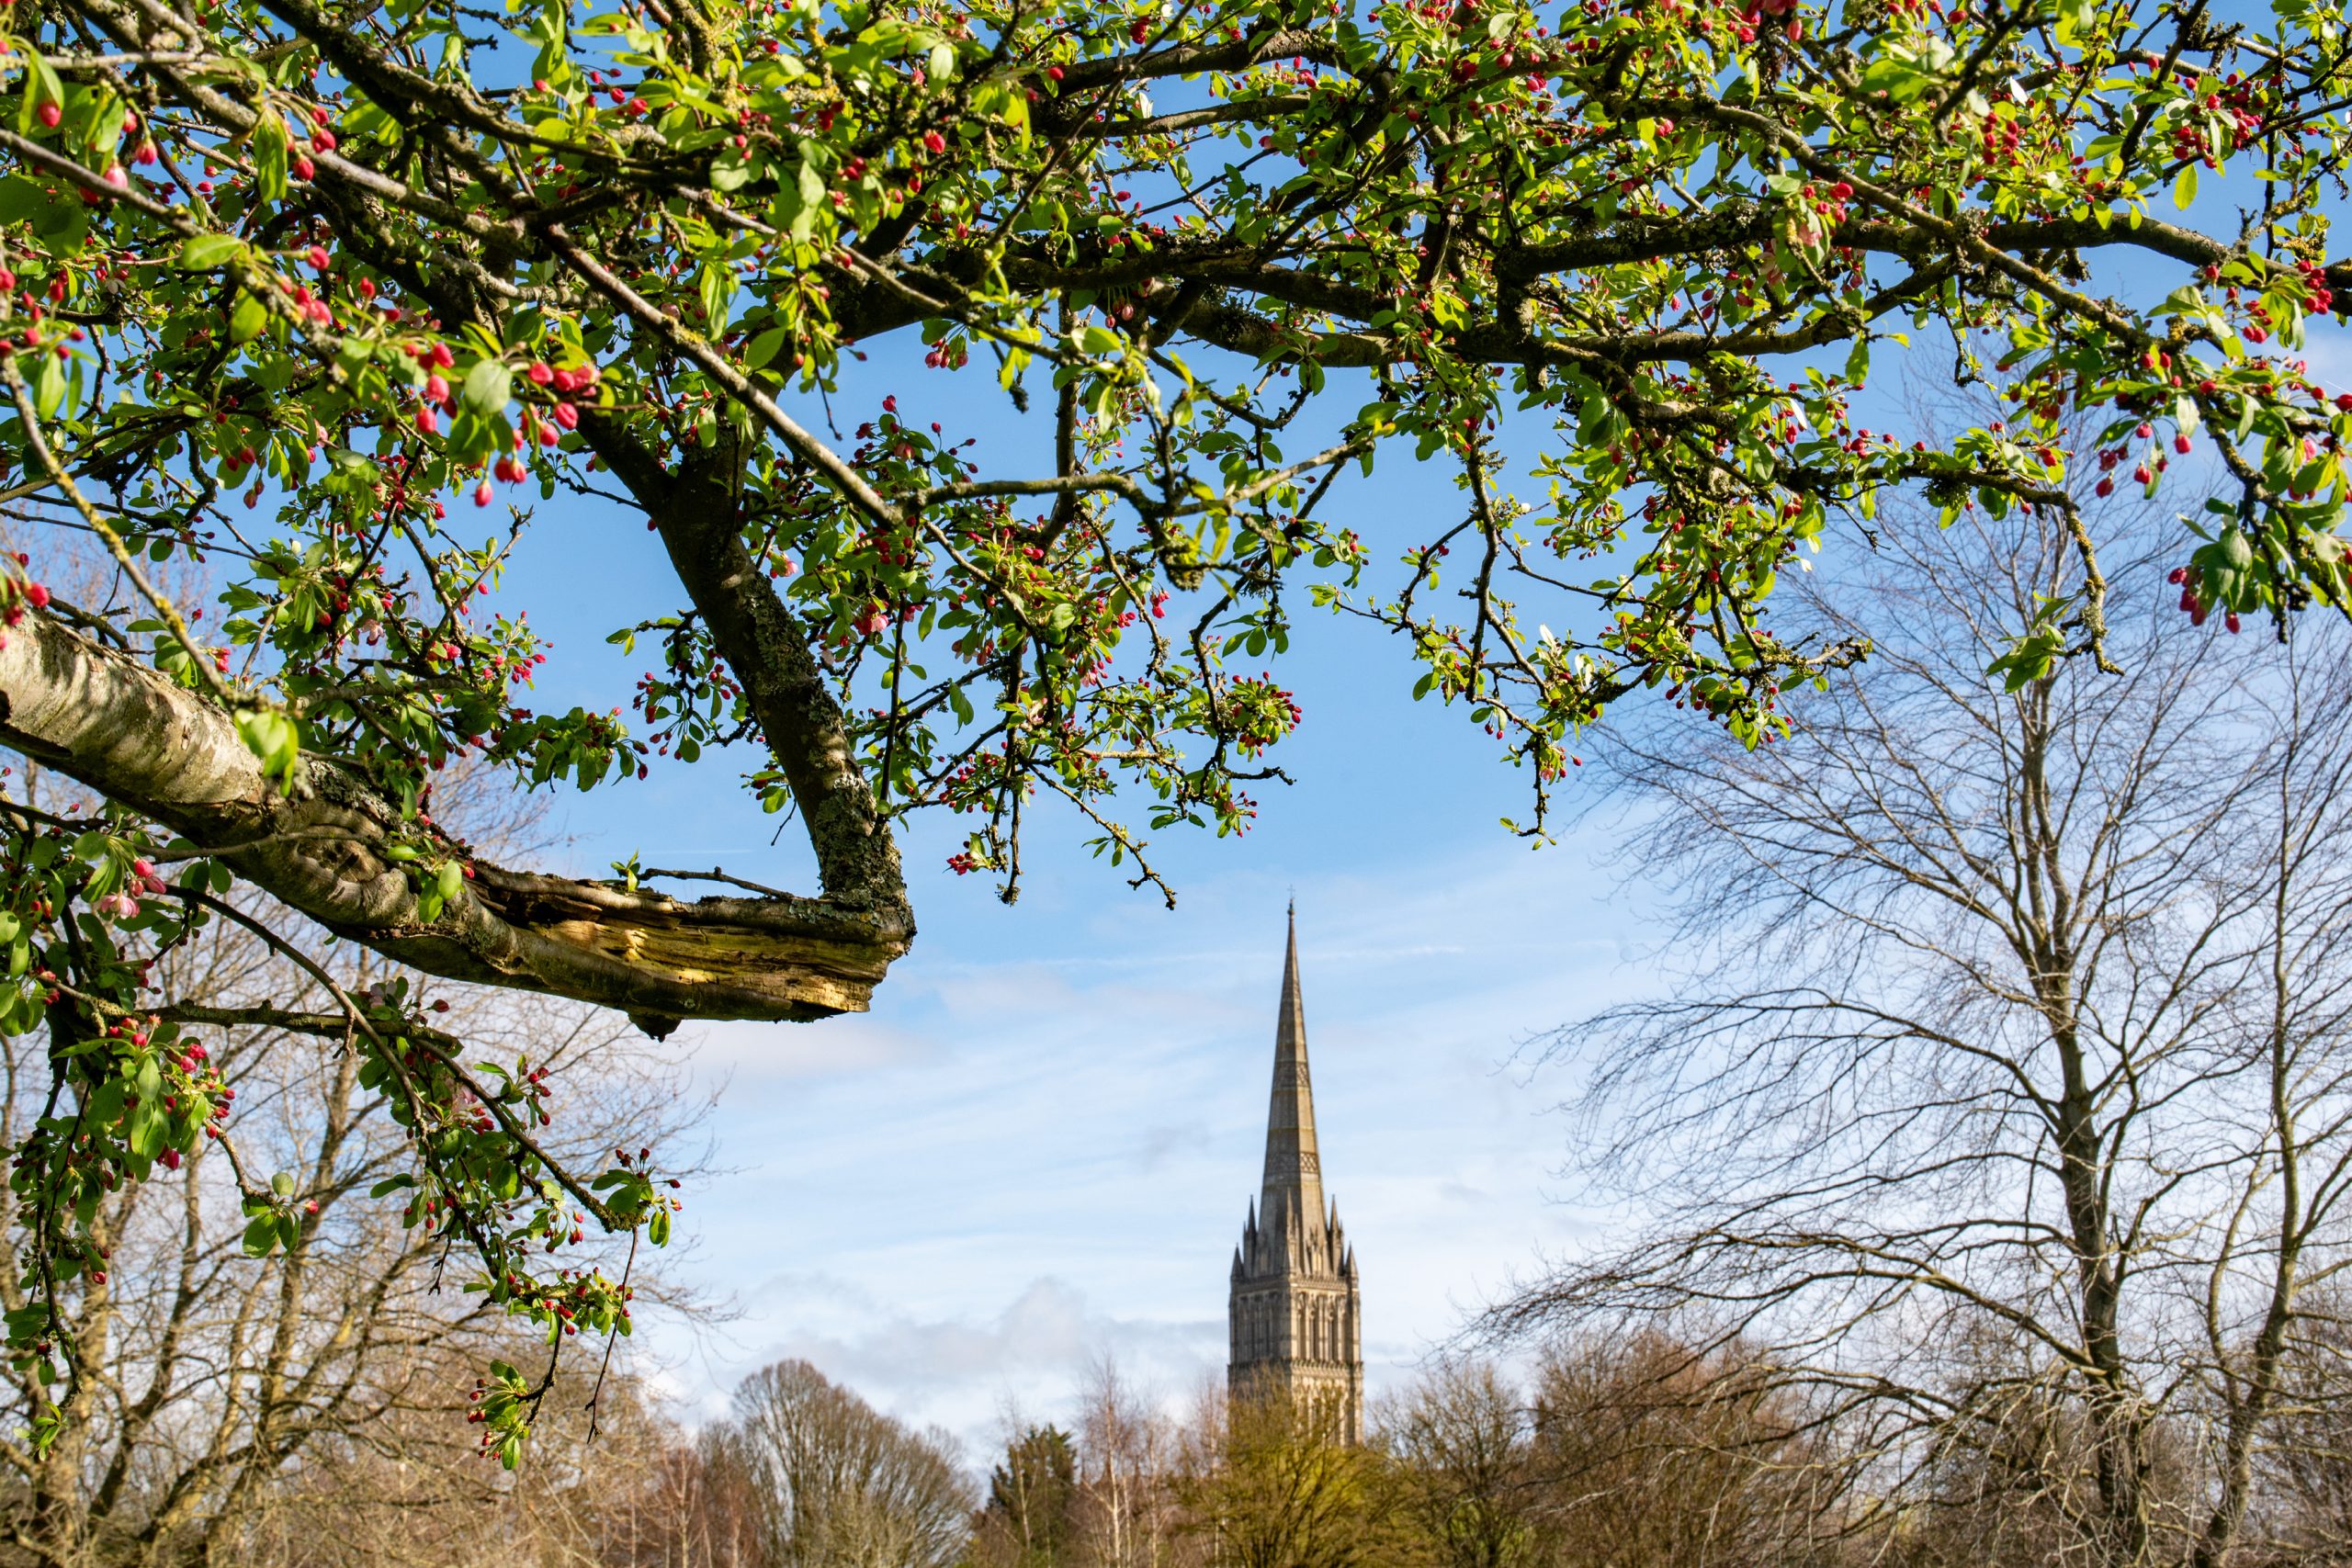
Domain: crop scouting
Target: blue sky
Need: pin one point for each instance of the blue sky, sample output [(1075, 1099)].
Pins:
[(1039, 1146)]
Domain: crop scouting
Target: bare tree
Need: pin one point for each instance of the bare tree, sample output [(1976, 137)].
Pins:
[(637, 1497), (2304, 1475), (1646, 1452), (835, 1484), (2002, 1098), (1127, 1510), (1461, 1434), (220, 1393)]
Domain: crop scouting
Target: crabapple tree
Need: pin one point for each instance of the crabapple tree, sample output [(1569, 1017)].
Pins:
[(296, 297)]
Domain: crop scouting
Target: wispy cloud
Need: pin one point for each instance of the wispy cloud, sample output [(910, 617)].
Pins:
[(1025, 1159)]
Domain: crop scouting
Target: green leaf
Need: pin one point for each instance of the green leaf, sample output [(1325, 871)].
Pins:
[(202, 253), (260, 1235), (270, 150), (61, 226), (2184, 188), (716, 286), (247, 318), (275, 738), (766, 346), (490, 386), (49, 386), (147, 1128)]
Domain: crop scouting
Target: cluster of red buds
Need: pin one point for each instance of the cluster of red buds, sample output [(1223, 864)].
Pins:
[(17, 594), (2196, 607)]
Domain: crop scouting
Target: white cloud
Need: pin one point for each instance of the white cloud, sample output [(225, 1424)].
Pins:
[(739, 1051), (1025, 1159), (960, 1371)]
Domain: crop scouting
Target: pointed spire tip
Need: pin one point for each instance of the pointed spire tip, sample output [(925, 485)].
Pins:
[(1293, 1169)]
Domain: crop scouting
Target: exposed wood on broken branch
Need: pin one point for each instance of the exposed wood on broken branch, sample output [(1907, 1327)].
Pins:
[(320, 847)]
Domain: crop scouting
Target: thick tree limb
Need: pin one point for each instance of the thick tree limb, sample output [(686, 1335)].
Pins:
[(132, 735)]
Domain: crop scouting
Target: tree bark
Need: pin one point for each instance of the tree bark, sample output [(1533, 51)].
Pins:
[(132, 735)]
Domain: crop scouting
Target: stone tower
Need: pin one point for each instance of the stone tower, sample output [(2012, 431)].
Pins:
[(1294, 1315)]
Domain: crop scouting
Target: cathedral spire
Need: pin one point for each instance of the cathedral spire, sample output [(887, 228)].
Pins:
[(1294, 1308), (1293, 1180)]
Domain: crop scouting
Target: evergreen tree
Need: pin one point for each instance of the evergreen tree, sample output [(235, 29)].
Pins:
[(1033, 1499)]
